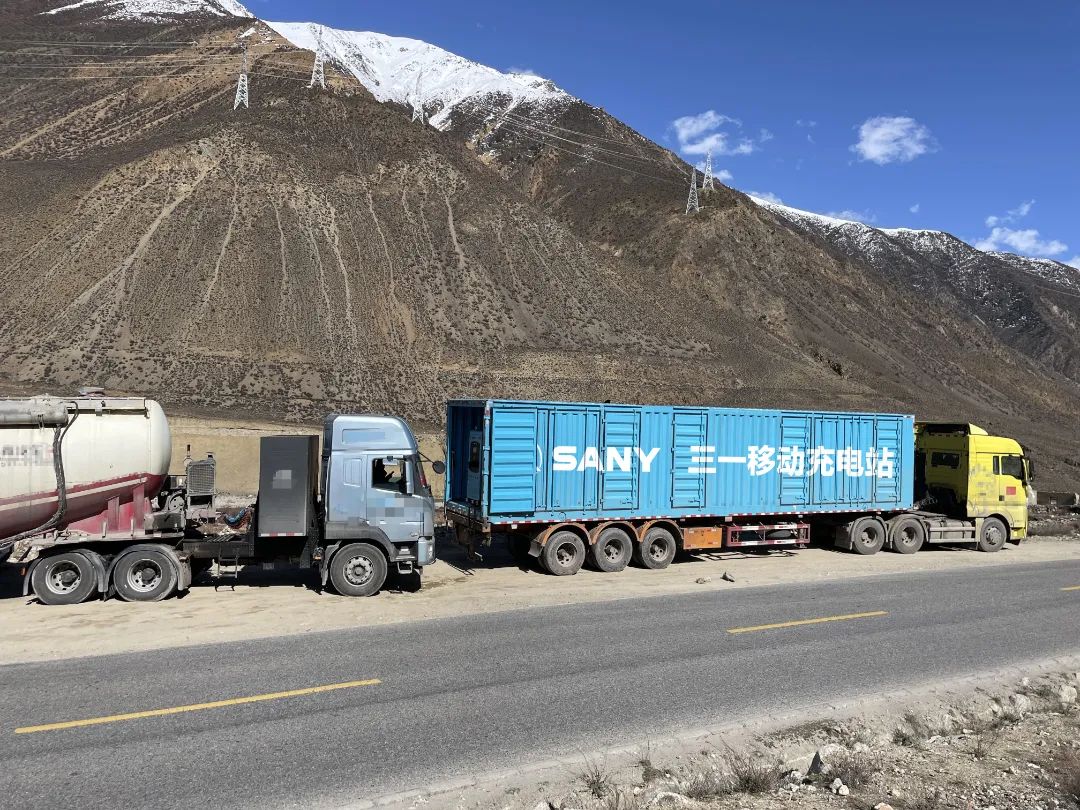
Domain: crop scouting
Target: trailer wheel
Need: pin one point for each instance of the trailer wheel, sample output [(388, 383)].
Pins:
[(867, 535), (64, 579), (563, 554), (657, 549), (611, 551), (992, 535), (145, 575), (358, 569), (906, 534)]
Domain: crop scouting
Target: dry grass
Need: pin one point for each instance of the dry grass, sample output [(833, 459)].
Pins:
[(750, 774), (914, 730), (854, 770), (649, 772), (596, 779)]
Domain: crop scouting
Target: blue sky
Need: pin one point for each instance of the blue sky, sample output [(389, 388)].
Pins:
[(958, 115)]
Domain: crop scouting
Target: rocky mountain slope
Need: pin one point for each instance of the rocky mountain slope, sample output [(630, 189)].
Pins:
[(321, 250), (1032, 305)]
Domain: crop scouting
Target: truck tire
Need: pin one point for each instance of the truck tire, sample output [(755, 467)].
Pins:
[(64, 579), (358, 569), (992, 535), (906, 534), (563, 554), (612, 550), (657, 549), (867, 535), (145, 575)]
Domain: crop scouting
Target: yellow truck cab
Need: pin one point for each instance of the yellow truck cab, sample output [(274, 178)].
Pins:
[(966, 473)]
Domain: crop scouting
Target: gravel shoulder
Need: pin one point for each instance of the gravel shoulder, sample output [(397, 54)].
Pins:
[(275, 603)]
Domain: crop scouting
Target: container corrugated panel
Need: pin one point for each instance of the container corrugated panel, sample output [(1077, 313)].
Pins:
[(550, 461)]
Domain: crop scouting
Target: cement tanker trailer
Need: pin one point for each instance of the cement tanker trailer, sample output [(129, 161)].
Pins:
[(88, 504)]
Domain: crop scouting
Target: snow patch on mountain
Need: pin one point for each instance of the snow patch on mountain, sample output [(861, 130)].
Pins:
[(158, 9), (409, 71), (856, 238)]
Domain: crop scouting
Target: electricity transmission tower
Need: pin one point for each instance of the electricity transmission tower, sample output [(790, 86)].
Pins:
[(242, 84), (318, 74), (692, 205), (707, 183), (417, 104)]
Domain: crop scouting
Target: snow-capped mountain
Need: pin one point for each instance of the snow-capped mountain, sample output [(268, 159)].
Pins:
[(158, 10), (889, 245), (409, 71)]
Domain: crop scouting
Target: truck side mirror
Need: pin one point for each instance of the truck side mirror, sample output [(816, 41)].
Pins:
[(438, 467)]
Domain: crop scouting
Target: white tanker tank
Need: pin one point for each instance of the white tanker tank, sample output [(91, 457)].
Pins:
[(86, 464)]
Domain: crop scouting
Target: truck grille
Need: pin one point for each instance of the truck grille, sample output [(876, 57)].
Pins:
[(202, 477)]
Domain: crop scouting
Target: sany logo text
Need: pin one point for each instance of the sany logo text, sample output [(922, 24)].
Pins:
[(565, 459)]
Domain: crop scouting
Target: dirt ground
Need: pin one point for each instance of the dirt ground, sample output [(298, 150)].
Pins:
[(999, 741), (271, 603)]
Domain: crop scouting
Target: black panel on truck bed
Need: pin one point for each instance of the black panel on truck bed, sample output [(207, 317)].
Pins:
[(288, 483)]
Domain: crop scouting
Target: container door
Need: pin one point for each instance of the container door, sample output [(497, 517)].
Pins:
[(513, 461), (794, 451), (619, 464), (889, 461), (688, 465)]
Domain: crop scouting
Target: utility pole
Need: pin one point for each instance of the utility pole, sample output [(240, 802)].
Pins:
[(692, 205), (318, 74), (707, 183), (242, 85)]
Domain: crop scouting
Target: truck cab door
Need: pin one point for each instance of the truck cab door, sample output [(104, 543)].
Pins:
[(395, 500), (1012, 491)]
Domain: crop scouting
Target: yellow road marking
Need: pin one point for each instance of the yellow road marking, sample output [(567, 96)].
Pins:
[(194, 707), (800, 622), (1072, 588)]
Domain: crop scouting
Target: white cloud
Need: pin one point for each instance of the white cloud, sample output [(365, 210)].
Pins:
[(1011, 216), (914, 209), (767, 196), (712, 132), (1027, 241), (523, 71), (765, 135), (723, 175), (805, 123), (893, 139), (1074, 262), (853, 216)]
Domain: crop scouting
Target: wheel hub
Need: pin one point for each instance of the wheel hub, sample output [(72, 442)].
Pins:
[(64, 578), (144, 576), (358, 570)]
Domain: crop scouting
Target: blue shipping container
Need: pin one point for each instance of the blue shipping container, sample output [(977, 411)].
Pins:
[(516, 461)]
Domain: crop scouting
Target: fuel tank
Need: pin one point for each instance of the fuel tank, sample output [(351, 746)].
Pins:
[(115, 453)]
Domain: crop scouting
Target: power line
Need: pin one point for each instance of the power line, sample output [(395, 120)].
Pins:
[(593, 159), (544, 125), (518, 126)]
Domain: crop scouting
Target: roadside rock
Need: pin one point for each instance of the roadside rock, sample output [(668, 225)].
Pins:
[(1066, 695), (1022, 703), (883, 806), (703, 580)]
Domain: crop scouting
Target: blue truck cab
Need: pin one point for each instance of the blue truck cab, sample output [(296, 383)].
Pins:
[(374, 492)]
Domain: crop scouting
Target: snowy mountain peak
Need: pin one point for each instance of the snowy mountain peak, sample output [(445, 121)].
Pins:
[(409, 71), (159, 10), (885, 244)]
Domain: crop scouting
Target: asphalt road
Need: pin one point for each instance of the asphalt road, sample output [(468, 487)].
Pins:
[(467, 695)]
